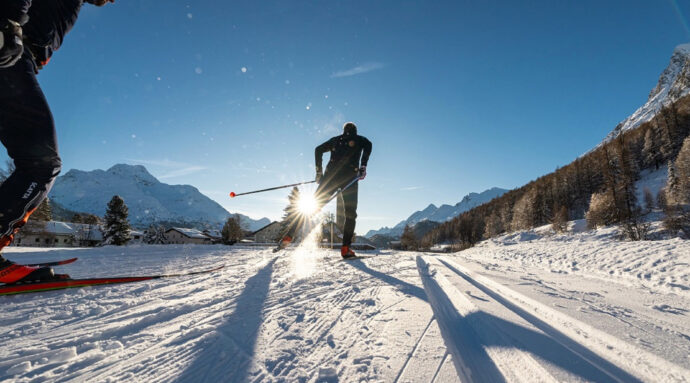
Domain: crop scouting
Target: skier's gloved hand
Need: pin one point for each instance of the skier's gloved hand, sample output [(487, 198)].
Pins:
[(11, 46), (319, 175), (362, 173)]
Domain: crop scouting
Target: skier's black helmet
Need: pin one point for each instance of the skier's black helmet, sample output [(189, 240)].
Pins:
[(350, 129)]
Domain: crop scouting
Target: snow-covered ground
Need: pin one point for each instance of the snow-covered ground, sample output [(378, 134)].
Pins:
[(526, 307)]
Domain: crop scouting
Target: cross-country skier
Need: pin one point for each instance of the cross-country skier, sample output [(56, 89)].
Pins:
[(29, 34), (349, 157)]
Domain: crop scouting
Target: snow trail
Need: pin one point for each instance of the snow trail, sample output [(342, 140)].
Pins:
[(383, 318)]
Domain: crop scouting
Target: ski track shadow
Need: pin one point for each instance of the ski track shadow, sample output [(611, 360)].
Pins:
[(227, 357), (468, 336), (404, 287)]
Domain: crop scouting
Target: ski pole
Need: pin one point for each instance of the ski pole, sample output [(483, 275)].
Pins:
[(233, 194)]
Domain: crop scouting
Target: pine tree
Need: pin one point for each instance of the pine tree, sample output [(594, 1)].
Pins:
[(524, 212), (408, 240), (494, 226), (44, 212), (648, 199), (672, 185), (559, 223), (155, 235), (116, 230), (682, 167), (602, 210), (291, 216), (232, 230), (650, 150)]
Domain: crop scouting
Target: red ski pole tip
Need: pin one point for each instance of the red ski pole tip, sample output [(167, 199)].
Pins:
[(232, 194)]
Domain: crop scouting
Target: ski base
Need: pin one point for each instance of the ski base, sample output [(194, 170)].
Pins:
[(61, 284), (56, 263)]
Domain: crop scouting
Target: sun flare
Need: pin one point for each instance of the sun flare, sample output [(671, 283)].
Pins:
[(307, 204)]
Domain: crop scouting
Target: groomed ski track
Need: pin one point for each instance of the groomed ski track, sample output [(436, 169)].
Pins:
[(304, 315)]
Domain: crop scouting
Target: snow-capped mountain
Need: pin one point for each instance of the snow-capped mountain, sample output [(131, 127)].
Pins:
[(442, 213), (674, 83), (148, 199)]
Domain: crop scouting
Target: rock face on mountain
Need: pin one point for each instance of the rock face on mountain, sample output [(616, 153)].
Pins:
[(149, 201), (440, 214), (674, 83)]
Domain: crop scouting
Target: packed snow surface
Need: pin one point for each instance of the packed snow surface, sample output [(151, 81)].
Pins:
[(531, 306)]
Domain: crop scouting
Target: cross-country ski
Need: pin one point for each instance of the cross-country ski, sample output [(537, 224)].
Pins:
[(69, 283)]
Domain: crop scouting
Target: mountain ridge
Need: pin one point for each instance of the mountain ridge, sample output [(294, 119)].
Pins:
[(442, 213), (149, 200)]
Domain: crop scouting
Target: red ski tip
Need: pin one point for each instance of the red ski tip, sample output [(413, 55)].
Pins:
[(232, 194)]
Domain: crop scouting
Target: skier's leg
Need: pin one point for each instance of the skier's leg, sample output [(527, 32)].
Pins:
[(340, 213), (329, 184), (350, 207), (28, 133)]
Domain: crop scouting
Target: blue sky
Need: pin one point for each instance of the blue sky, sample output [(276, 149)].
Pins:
[(456, 96)]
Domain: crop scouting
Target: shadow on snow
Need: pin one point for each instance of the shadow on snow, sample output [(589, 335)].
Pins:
[(227, 357)]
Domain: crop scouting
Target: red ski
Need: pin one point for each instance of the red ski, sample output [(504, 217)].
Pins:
[(35, 287), (56, 263)]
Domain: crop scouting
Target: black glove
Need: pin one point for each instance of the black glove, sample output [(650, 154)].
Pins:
[(362, 173), (319, 175), (11, 46)]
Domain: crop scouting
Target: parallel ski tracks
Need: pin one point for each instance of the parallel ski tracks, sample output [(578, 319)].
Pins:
[(516, 327), (414, 350)]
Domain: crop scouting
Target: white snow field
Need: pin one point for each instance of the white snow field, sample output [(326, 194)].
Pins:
[(527, 307)]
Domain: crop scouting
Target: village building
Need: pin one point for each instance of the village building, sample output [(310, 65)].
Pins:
[(267, 234), (215, 235), (136, 237), (178, 235), (58, 234)]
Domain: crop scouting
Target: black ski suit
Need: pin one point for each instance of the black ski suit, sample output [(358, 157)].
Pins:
[(348, 154), (27, 128)]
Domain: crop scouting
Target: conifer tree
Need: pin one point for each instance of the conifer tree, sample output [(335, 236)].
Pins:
[(291, 215), (44, 212), (232, 230), (648, 199), (524, 212), (494, 226), (408, 240), (602, 210), (682, 167), (559, 223), (672, 187), (116, 229), (650, 150), (155, 235)]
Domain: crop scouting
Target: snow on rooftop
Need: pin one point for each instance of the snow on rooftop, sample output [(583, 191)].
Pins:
[(191, 233)]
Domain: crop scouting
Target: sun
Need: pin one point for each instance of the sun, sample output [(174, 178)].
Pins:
[(307, 204)]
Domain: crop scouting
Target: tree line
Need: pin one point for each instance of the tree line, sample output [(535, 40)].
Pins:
[(598, 186)]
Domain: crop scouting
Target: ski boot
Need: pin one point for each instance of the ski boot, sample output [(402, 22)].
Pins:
[(283, 244), (346, 252), (11, 272)]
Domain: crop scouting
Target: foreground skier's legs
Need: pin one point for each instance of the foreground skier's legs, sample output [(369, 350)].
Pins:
[(28, 132)]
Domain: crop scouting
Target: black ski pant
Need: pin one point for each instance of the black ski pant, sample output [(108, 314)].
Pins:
[(348, 201), (329, 185), (27, 131)]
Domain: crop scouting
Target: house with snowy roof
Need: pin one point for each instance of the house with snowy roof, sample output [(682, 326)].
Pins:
[(58, 234), (179, 235), (267, 234), (215, 235)]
